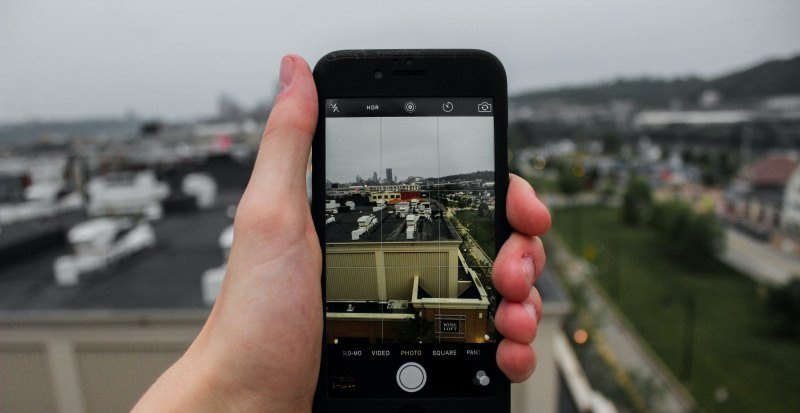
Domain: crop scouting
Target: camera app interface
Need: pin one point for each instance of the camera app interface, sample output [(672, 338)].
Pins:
[(410, 241)]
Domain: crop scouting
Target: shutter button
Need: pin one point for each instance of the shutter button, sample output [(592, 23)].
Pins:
[(411, 377)]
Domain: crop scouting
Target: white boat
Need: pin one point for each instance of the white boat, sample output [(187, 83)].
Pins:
[(100, 243)]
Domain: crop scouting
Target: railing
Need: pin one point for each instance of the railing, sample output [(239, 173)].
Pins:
[(88, 361), (100, 361)]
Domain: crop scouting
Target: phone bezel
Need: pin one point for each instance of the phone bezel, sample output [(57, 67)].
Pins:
[(450, 73)]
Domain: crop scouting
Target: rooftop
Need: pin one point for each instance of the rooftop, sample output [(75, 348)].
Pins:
[(771, 170), (167, 276), (389, 226)]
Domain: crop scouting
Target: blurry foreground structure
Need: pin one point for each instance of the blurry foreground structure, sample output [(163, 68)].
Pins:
[(102, 360), (98, 345)]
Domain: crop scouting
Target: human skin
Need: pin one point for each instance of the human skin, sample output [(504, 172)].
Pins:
[(259, 350)]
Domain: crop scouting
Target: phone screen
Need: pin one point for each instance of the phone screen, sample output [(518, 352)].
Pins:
[(409, 246)]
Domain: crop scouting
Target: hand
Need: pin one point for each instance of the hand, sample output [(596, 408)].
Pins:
[(517, 266), (260, 349)]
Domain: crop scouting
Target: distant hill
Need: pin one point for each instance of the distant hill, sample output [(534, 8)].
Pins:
[(770, 78), (470, 176)]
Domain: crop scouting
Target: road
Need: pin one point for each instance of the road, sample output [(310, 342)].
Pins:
[(759, 260), (475, 249), (619, 343)]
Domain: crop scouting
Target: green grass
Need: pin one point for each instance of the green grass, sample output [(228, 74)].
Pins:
[(734, 345), (481, 229)]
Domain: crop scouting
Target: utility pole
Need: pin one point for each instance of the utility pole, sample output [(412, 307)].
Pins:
[(579, 222), (688, 336), (615, 270)]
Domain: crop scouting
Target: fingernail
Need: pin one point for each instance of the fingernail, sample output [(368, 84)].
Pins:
[(531, 310), (530, 184), (287, 72)]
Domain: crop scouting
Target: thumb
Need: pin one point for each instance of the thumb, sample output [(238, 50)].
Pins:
[(285, 146)]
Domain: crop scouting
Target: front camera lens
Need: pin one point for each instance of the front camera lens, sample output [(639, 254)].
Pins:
[(378, 74)]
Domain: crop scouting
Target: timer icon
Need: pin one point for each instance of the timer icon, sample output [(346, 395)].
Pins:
[(447, 107)]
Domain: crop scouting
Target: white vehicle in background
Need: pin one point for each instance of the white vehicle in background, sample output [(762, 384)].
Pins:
[(212, 278), (100, 243), (127, 193)]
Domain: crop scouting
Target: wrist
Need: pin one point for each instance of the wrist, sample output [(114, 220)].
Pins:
[(204, 380), (187, 386), (230, 381)]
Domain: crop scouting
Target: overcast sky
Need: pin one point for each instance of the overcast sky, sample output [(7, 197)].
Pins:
[(71, 59), (411, 146)]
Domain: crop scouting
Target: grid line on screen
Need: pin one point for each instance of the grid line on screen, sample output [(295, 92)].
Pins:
[(380, 169), (439, 224)]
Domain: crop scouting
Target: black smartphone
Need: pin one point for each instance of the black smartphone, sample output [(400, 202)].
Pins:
[(409, 181)]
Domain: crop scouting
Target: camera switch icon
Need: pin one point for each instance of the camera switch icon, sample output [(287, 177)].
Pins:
[(484, 107), (481, 379)]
